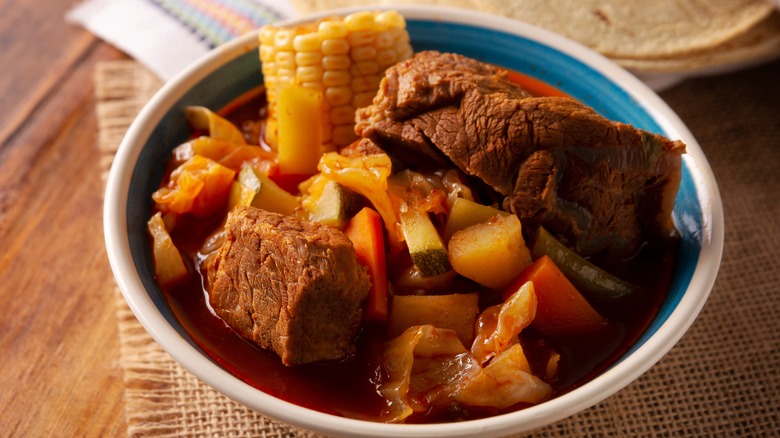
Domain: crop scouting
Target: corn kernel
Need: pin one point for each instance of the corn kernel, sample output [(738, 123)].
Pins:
[(267, 35), (332, 30), (384, 40), (314, 85), (396, 33), (342, 115), (338, 95), (308, 58), (359, 21), (390, 19), (362, 68), (269, 68), (285, 59), (386, 57), (365, 83), (364, 99), (335, 46), (336, 62), (361, 38), (283, 40), (360, 84), (309, 73), (363, 53), (267, 53), (309, 42), (285, 75), (269, 81), (335, 78), (402, 39)]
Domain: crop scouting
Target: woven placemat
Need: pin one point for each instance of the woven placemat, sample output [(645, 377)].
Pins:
[(721, 379)]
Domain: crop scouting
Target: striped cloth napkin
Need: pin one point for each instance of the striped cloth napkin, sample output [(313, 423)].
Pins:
[(168, 35)]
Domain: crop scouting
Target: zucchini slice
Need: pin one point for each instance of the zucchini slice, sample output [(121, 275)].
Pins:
[(428, 252), (335, 205), (267, 195)]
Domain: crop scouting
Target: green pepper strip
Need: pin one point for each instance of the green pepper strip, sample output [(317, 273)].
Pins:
[(589, 279)]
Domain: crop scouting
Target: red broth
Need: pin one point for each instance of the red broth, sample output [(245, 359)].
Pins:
[(349, 388)]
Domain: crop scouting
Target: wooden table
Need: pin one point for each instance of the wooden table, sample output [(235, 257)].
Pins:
[(58, 333)]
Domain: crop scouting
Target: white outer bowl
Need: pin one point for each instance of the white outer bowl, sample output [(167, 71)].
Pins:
[(697, 271)]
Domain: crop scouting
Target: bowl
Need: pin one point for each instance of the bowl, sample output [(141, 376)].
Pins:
[(234, 68)]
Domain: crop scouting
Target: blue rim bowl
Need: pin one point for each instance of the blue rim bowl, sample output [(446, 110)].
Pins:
[(228, 71)]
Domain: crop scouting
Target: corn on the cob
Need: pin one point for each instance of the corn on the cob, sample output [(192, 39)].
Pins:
[(344, 58)]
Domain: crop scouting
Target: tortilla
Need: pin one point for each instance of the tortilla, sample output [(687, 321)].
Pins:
[(309, 6), (643, 35), (758, 44), (639, 29)]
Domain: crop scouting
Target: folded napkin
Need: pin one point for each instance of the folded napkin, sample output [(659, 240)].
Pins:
[(168, 35)]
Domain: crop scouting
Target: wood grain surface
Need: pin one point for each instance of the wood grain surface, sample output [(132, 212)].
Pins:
[(58, 335)]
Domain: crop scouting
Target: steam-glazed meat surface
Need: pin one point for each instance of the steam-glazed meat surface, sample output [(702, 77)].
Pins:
[(290, 286), (601, 185)]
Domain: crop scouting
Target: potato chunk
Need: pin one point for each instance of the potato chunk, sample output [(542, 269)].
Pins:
[(465, 213), (454, 311), (491, 253)]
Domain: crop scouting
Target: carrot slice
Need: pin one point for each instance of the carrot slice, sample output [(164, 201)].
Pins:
[(561, 308), (365, 230)]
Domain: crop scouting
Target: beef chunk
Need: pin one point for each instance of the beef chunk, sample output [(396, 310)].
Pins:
[(603, 186), (290, 286), (361, 148)]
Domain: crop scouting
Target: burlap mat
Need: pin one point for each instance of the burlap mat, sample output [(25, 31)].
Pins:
[(720, 380)]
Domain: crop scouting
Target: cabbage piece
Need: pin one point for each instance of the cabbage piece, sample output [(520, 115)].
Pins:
[(424, 366), (169, 266), (219, 128), (199, 186), (429, 368), (409, 190), (366, 175), (498, 326), (506, 381), (455, 187), (226, 153)]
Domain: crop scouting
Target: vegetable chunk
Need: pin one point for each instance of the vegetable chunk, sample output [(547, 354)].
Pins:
[(465, 213), (199, 186), (343, 58), (266, 194), (499, 325), (424, 366), (168, 264), (491, 253), (425, 246), (300, 139), (561, 308), (587, 277), (365, 232), (507, 380), (328, 202), (453, 311)]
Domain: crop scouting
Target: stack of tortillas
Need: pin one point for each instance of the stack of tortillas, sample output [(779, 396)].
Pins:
[(649, 36)]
